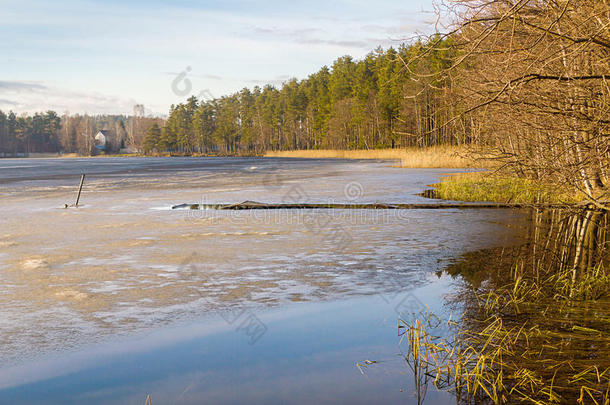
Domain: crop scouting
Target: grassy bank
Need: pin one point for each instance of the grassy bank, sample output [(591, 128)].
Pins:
[(484, 186), (433, 157)]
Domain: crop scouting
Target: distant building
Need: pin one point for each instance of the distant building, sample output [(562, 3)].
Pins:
[(101, 139)]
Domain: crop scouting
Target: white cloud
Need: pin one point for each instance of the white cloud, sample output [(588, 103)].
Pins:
[(27, 97)]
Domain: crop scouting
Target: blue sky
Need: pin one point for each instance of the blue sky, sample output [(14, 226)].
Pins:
[(104, 57)]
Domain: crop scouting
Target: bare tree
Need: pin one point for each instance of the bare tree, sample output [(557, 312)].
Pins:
[(532, 80)]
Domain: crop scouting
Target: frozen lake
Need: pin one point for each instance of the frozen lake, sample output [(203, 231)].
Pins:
[(124, 297)]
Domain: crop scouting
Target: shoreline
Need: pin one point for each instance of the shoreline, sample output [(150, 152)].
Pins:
[(444, 156)]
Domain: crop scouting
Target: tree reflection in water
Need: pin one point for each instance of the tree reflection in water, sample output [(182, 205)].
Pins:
[(535, 324)]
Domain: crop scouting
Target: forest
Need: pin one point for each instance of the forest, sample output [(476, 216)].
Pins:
[(21, 135), (525, 84), (355, 104)]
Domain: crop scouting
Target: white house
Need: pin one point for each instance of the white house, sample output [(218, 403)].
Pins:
[(100, 140)]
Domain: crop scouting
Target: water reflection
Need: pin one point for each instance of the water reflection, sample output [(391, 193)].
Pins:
[(309, 355), (535, 326)]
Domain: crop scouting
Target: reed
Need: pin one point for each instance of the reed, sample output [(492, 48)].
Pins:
[(540, 336), (501, 359), (446, 156)]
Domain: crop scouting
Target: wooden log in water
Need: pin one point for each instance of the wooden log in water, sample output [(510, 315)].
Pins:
[(253, 205)]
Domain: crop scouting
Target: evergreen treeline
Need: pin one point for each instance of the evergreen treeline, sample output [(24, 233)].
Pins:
[(376, 102), (21, 134)]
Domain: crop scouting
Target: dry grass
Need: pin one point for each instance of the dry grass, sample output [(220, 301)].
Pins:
[(432, 157)]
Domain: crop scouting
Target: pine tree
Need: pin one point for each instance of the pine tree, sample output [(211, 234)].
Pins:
[(152, 139)]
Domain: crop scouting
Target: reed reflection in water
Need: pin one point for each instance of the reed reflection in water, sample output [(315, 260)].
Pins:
[(535, 323)]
